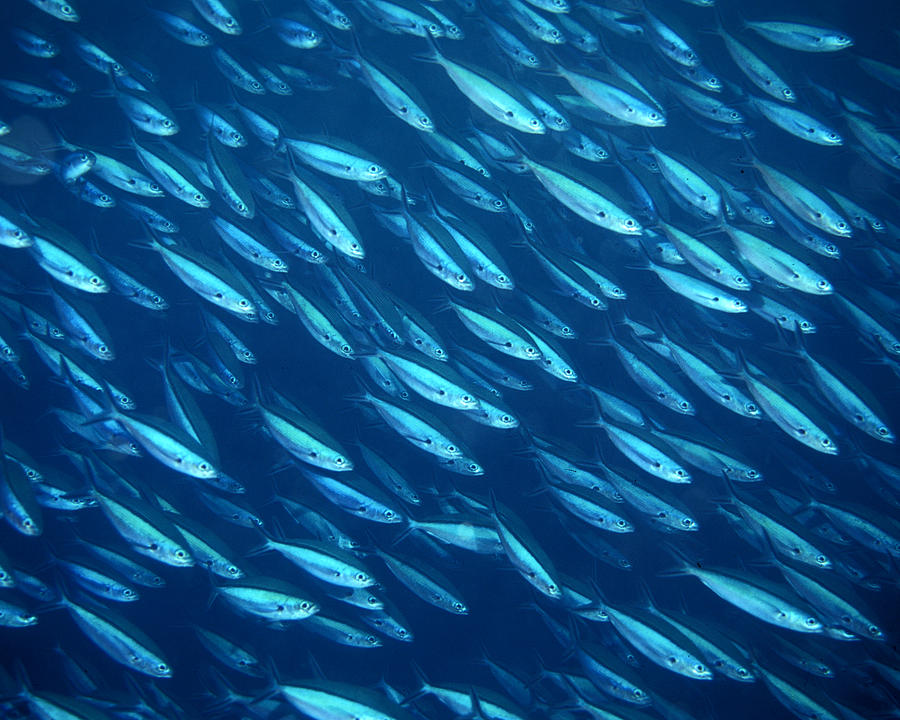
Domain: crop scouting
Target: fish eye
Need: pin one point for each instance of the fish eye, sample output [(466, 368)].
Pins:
[(821, 559), (534, 122), (199, 197), (874, 630), (180, 554), (823, 284), (568, 372), (389, 514), (102, 349), (680, 473), (811, 622), (684, 405), (153, 187), (162, 667), (304, 605), (167, 123), (346, 349), (452, 449), (825, 442), (229, 22), (883, 431), (244, 303), (255, 85), (439, 352), (687, 522), (339, 460), (699, 668)]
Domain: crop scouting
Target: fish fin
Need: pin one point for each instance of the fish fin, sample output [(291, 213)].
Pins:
[(411, 528), (422, 680), (433, 55), (597, 422), (317, 671), (685, 563)]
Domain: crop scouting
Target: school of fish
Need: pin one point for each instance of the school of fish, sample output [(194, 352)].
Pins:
[(483, 359)]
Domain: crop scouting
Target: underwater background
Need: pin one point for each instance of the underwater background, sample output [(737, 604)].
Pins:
[(554, 454)]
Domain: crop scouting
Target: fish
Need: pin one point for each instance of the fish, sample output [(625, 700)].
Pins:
[(798, 36), (456, 316), (491, 95)]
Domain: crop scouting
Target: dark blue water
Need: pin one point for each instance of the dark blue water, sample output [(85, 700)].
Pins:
[(446, 647)]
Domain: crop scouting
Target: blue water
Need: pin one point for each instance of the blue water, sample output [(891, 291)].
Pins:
[(447, 647)]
